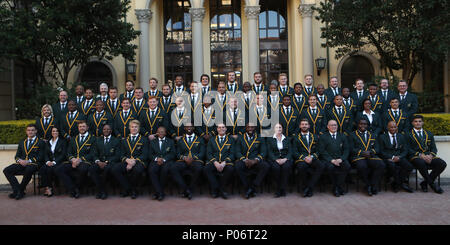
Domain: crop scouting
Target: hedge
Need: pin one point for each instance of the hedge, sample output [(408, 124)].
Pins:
[(11, 132)]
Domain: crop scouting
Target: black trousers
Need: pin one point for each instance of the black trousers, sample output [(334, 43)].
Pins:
[(99, 175), (314, 169), (281, 173), (337, 173), (370, 171), (16, 169), (218, 180), (260, 169), (158, 175), (437, 166), (399, 170), (66, 174), (47, 175), (128, 180), (178, 168)]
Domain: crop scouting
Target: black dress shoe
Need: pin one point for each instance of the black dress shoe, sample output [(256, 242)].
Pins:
[(336, 192), (125, 194), (224, 195), (433, 186), (98, 196), (424, 186), (103, 196), (374, 191), (20, 195), (277, 194), (369, 190), (341, 191), (75, 193), (12, 195), (161, 197), (310, 193), (283, 193), (215, 194), (306, 191), (188, 194), (249, 193), (133, 195), (155, 196), (394, 187), (406, 188)]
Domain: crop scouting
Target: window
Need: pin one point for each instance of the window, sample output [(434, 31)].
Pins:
[(178, 40), (225, 38), (273, 45)]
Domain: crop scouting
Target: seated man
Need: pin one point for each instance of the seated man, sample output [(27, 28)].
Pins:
[(80, 155), (306, 157), (334, 151), (220, 160), (423, 155), (250, 152), (30, 154), (106, 155), (365, 148), (134, 151), (190, 154), (162, 153), (393, 150)]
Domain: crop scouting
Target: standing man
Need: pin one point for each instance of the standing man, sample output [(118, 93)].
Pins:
[(232, 85), (298, 100), (113, 104), (220, 101), (60, 108), (206, 87), (220, 152), (306, 157), (394, 150), (165, 101), (341, 115), (29, 155), (195, 99), (153, 84), (408, 101), (88, 105), (190, 155), (258, 85), (309, 88), (235, 119), (81, 156), (97, 120), (386, 94), (123, 119), (359, 94), (134, 153), (179, 117), (375, 99), (398, 116), (316, 116), (161, 156), (69, 122), (288, 118), (129, 91), (365, 152), (106, 155), (152, 118), (348, 101), (103, 96), (250, 152), (139, 102), (79, 94), (284, 88), (179, 88), (208, 128), (334, 149), (423, 155), (333, 89), (322, 99)]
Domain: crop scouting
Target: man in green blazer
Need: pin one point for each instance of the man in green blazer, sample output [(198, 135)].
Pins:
[(106, 155), (394, 150), (334, 151), (341, 115), (220, 167), (99, 118), (408, 101), (162, 154), (397, 115), (306, 156), (250, 152), (423, 155)]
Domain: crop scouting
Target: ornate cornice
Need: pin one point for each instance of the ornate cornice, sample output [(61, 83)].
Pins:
[(306, 10), (143, 15), (197, 14), (252, 12)]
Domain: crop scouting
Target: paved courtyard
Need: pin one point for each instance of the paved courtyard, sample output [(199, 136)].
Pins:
[(352, 209)]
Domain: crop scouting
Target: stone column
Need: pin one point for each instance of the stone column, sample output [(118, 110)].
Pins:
[(306, 12), (252, 13), (197, 15), (144, 16)]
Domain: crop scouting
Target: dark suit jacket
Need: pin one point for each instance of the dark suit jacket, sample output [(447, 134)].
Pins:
[(139, 110), (84, 150), (121, 96), (263, 89), (302, 149), (289, 122), (36, 153), (88, 110), (121, 124), (317, 124), (196, 149), (57, 112), (410, 104), (236, 126), (147, 95), (402, 121), (344, 121), (351, 106), (221, 152), (272, 149), (357, 145), (299, 105), (208, 123), (107, 152), (255, 149), (417, 146), (290, 91), (387, 150), (45, 131), (306, 94), (334, 149), (386, 101), (96, 126), (329, 93), (59, 155), (376, 127), (325, 104), (358, 102), (138, 150), (167, 152), (176, 124), (166, 107), (109, 108), (377, 104), (150, 125), (70, 127)]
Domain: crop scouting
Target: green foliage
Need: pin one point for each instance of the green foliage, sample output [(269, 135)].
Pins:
[(404, 33), (11, 132), (437, 124)]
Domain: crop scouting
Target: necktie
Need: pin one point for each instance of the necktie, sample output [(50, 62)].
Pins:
[(309, 90), (165, 100), (71, 116), (288, 111), (106, 140), (334, 136), (403, 97), (125, 114), (346, 103), (63, 106), (103, 98), (204, 90), (189, 139), (394, 141), (160, 144), (395, 114), (82, 139), (98, 115), (221, 140), (180, 114), (305, 138), (138, 104), (359, 95), (178, 90), (29, 144), (365, 136), (420, 134), (321, 99), (86, 105), (113, 105), (340, 111), (152, 114), (234, 115), (335, 91), (133, 139), (128, 94), (284, 90), (314, 112), (46, 122), (384, 95)]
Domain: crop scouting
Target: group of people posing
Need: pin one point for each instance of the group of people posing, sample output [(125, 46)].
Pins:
[(255, 131)]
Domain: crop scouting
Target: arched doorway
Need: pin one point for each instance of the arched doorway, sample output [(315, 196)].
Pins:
[(354, 67), (94, 73)]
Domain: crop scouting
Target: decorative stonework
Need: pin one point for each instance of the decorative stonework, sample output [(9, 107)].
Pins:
[(143, 15), (252, 12), (306, 10), (197, 14)]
